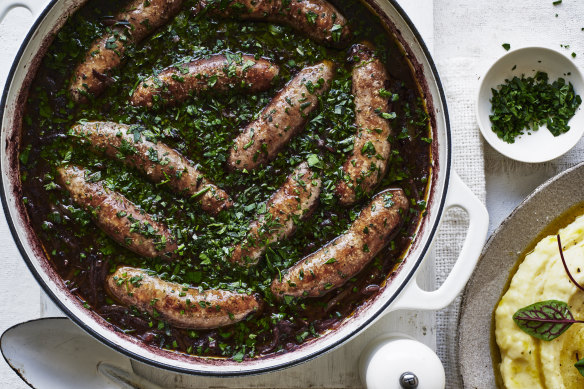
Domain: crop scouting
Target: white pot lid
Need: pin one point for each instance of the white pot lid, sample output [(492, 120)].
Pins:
[(395, 362)]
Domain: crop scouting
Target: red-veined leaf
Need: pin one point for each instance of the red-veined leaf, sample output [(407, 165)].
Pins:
[(545, 320)]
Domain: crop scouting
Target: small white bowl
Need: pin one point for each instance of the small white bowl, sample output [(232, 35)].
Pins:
[(541, 145)]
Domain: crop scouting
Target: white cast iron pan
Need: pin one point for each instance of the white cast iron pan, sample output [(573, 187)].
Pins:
[(402, 292)]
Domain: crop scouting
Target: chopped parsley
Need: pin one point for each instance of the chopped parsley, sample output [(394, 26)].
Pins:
[(311, 17), (523, 104)]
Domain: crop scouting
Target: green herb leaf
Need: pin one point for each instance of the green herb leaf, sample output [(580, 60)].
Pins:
[(388, 115), (311, 17), (110, 43), (385, 93), (545, 320), (314, 161), (238, 356), (506, 46), (212, 80), (94, 177), (336, 32), (24, 154), (194, 276), (368, 149)]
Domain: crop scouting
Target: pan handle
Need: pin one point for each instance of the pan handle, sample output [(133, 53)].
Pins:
[(34, 6), (413, 297)]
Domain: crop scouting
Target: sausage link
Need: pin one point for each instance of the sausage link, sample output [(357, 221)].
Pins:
[(178, 304), (294, 201), (142, 17), (317, 19), (217, 73), (282, 118), (117, 216), (156, 161), (371, 151), (338, 261)]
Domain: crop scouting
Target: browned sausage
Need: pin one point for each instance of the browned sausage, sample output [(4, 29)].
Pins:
[(117, 216), (294, 201), (317, 19), (179, 305), (282, 118), (368, 162), (156, 161), (141, 17), (218, 73), (338, 261)]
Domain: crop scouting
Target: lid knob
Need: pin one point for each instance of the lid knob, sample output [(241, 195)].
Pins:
[(408, 380)]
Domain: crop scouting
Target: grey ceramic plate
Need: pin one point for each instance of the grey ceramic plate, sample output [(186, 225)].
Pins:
[(514, 235)]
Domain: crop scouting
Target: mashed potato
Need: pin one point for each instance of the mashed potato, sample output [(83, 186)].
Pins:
[(527, 362)]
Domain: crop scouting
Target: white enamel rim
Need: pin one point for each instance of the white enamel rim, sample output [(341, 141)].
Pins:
[(403, 285)]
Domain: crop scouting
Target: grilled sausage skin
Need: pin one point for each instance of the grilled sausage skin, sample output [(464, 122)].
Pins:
[(344, 257), (295, 200), (92, 75), (156, 161), (218, 73), (177, 304), (317, 19), (282, 118), (117, 216), (367, 164)]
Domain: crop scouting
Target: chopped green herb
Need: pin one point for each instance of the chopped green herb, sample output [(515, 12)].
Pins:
[(368, 149), (311, 17), (212, 80), (238, 356), (388, 115), (526, 103)]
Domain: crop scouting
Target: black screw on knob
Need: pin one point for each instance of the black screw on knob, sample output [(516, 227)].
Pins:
[(408, 380)]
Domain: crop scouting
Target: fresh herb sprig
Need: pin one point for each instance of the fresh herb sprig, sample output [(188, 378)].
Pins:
[(526, 103), (545, 320)]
